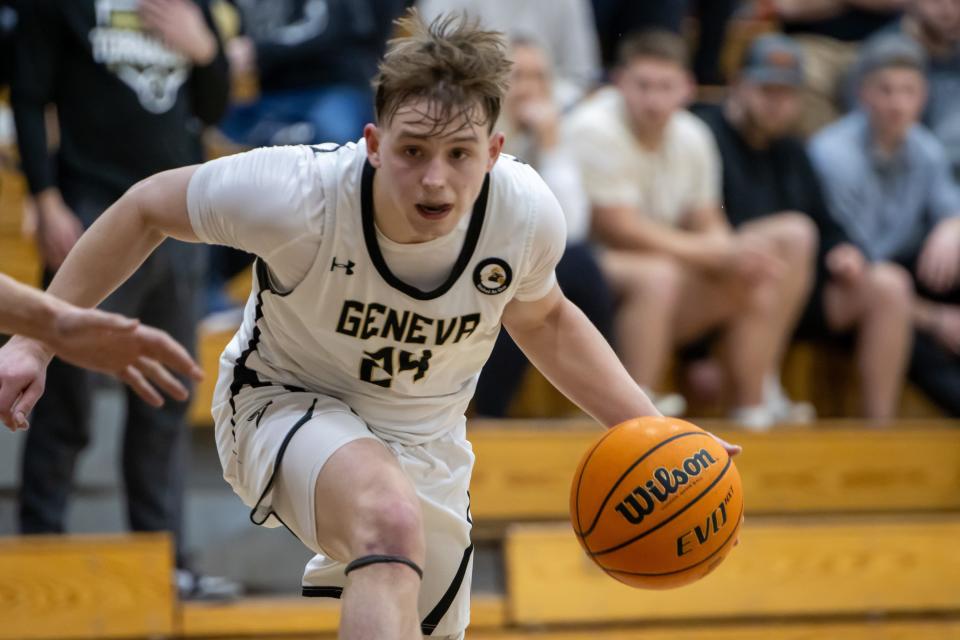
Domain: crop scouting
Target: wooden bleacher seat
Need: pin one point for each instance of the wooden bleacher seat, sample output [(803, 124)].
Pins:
[(524, 469), (797, 567), (86, 587)]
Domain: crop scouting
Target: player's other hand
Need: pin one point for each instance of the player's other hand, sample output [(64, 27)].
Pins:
[(181, 26), (23, 372), (141, 356), (58, 228), (732, 449)]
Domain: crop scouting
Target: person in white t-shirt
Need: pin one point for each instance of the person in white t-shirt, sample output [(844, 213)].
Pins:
[(384, 271), (652, 173)]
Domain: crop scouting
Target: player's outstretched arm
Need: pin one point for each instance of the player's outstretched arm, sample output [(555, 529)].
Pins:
[(565, 346), (107, 254)]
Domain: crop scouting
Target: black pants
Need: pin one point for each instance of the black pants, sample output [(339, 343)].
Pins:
[(162, 293), (583, 283), (933, 367)]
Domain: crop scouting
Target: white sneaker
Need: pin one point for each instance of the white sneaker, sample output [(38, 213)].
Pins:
[(671, 405), (757, 418), (782, 407)]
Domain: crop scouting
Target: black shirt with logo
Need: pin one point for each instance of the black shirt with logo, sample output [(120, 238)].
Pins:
[(127, 105)]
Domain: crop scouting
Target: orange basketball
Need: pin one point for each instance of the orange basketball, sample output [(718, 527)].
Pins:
[(657, 503)]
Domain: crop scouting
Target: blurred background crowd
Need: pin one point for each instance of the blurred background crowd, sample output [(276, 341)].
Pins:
[(739, 178)]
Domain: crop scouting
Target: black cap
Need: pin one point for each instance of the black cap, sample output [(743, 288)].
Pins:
[(774, 59), (890, 50)]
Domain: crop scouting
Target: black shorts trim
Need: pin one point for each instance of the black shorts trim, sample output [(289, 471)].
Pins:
[(276, 464), (321, 592), (429, 624)]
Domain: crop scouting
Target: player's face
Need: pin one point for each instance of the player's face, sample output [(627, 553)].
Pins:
[(773, 109), (529, 79), (653, 90), (894, 98), (428, 174)]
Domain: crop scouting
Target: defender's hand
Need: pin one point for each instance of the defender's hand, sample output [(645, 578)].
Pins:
[(139, 355)]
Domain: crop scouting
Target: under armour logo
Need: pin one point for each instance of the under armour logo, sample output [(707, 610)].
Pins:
[(348, 267), (258, 414)]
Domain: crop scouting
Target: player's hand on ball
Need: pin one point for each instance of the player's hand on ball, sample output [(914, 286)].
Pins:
[(732, 449)]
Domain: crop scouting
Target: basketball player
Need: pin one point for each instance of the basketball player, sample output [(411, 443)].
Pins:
[(384, 271), (105, 342)]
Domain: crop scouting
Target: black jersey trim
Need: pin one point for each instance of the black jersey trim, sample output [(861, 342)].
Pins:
[(304, 419), (429, 624), (376, 256)]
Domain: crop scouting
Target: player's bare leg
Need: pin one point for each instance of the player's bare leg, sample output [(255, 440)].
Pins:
[(879, 309), (366, 507)]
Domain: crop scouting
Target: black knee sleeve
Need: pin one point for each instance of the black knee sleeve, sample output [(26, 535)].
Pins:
[(366, 561)]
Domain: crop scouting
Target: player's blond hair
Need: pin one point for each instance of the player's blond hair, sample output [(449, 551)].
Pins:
[(452, 62)]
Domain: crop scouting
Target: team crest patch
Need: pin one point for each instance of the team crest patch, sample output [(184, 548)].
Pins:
[(492, 276)]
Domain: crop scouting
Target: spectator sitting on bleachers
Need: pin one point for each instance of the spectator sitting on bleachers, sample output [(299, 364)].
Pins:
[(830, 33), (766, 172), (564, 28), (935, 26), (888, 183), (314, 60), (653, 177), (531, 122)]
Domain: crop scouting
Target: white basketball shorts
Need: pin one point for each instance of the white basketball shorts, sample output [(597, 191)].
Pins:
[(282, 439)]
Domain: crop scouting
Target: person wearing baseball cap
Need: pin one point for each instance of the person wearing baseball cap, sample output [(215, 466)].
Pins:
[(767, 175), (888, 183)]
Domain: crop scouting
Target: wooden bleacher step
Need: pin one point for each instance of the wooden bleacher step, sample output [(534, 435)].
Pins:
[(86, 587), (785, 567), (524, 472)]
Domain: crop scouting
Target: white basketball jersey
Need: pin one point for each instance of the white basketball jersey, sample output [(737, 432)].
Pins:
[(405, 360)]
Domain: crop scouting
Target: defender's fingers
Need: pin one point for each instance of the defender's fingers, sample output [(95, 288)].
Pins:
[(135, 380), (157, 374), (164, 349)]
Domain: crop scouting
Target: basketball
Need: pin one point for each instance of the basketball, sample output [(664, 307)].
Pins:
[(656, 503)]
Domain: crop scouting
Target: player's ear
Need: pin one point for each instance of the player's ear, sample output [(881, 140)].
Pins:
[(496, 146), (372, 135)]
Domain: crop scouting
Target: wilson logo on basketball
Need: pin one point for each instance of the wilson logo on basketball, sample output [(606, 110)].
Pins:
[(642, 500)]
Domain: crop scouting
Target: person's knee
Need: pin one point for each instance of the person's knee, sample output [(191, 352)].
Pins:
[(794, 236), (657, 281), (802, 236), (891, 288), (388, 523)]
